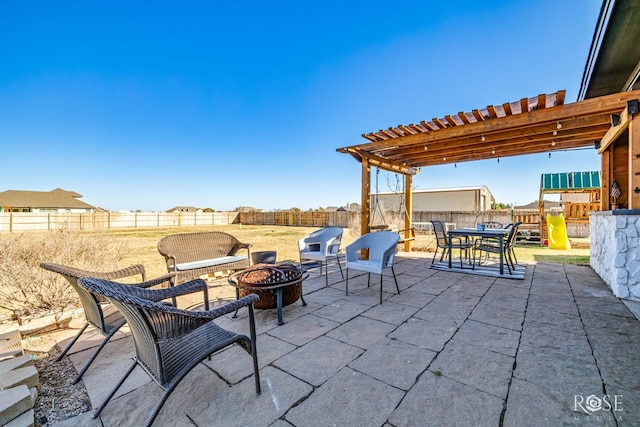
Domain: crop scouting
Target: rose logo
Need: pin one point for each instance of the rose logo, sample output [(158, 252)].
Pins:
[(593, 403)]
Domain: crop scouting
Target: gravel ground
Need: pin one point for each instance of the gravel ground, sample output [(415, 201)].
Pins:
[(57, 399)]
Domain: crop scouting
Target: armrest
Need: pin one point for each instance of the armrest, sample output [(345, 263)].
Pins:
[(236, 247), (141, 289), (229, 307), (166, 278), (351, 251), (171, 262), (123, 272)]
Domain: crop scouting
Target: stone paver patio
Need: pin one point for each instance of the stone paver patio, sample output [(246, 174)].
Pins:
[(556, 348)]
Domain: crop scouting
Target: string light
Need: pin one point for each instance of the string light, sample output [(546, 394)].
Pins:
[(426, 147), (549, 155), (559, 125), (555, 132), (553, 143), (498, 160), (444, 158), (455, 165), (493, 151), (483, 138)]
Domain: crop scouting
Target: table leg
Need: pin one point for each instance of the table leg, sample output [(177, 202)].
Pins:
[(279, 305), (450, 249), (501, 255), (237, 298)]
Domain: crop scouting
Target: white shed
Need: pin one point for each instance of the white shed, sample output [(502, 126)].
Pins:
[(460, 199)]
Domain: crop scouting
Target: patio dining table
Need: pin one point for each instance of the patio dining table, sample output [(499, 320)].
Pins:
[(496, 233)]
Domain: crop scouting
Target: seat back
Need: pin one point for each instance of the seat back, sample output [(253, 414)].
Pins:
[(382, 246), (323, 236), (190, 247), (441, 234), (91, 303), (511, 238), (147, 320)]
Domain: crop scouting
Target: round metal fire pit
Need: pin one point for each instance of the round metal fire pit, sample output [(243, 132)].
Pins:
[(276, 285)]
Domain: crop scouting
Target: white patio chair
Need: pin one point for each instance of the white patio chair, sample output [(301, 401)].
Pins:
[(382, 247), (321, 245)]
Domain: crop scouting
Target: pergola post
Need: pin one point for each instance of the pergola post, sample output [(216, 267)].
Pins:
[(365, 202), (408, 211)]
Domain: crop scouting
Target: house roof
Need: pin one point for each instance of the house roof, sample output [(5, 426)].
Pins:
[(569, 182), (57, 198), (613, 64), (183, 209)]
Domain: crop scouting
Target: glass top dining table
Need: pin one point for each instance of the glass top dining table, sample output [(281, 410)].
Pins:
[(496, 233)]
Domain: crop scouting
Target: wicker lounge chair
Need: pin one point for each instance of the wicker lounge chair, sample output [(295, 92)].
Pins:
[(382, 247), (192, 255), (98, 312), (169, 341), (320, 246)]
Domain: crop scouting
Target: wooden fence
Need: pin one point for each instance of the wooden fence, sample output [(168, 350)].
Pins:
[(29, 221), (352, 219)]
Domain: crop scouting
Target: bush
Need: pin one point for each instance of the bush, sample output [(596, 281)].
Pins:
[(27, 290)]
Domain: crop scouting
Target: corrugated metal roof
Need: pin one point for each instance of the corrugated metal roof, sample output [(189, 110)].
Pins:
[(569, 181)]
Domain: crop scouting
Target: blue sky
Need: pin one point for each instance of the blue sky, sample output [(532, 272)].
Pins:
[(149, 105)]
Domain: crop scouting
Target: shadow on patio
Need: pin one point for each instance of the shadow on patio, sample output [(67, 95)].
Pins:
[(556, 348)]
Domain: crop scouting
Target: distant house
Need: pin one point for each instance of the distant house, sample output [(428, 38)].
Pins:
[(460, 199), (247, 209), (335, 209), (184, 209), (55, 201)]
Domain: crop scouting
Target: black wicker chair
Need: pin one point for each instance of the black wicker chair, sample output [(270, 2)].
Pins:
[(98, 312), (442, 242), (169, 341)]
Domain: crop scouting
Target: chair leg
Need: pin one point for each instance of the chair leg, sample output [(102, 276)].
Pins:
[(435, 254), (339, 265), (394, 279), (98, 350), (96, 413), (73, 341), (346, 288), (368, 279), (381, 287), (326, 272), (254, 348)]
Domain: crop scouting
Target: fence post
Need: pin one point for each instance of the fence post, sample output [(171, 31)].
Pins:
[(48, 222), (10, 222)]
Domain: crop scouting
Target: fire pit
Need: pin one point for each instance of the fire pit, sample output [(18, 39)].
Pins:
[(276, 285)]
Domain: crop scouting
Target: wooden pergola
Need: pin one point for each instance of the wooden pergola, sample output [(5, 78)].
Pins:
[(539, 124)]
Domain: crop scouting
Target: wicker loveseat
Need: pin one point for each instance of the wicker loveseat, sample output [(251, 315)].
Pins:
[(192, 255)]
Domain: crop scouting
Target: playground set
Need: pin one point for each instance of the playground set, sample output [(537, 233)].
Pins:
[(580, 194)]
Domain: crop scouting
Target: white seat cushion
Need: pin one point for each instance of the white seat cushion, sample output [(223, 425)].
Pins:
[(209, 262)]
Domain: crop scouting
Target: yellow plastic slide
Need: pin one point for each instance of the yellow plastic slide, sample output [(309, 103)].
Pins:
[(557, 232)]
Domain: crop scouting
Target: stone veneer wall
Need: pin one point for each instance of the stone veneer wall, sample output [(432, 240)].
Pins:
[(615, 250)]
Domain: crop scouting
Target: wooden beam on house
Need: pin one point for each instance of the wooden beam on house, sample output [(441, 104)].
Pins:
[(606, 175), (634, 162), (624, 118)]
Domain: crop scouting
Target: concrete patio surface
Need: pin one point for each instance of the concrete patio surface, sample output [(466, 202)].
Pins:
[(554, 349)]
